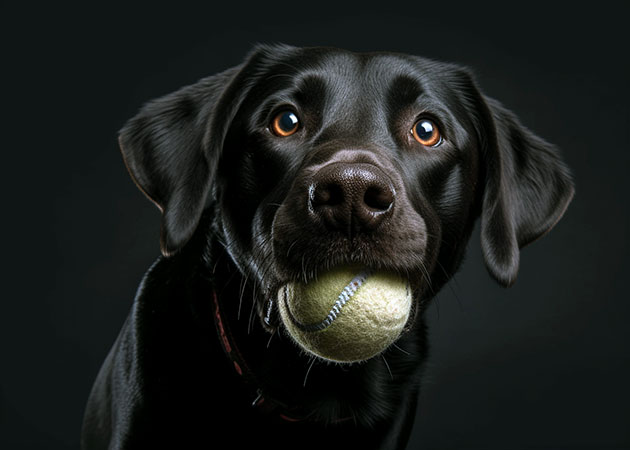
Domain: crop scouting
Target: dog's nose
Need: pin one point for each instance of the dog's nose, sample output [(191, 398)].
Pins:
[(351, 197)]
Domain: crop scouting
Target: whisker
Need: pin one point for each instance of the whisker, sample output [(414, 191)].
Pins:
[(388, 369), (401, 349), (427, 277), (271, 337), (242, 292), (250, 324), (452, 280), (309, 370), (291, 246)]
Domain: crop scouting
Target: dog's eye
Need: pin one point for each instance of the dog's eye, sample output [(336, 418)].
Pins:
[(285, 124), (426, 132)]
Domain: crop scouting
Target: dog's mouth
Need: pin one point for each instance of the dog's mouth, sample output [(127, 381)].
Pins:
[(346, 314), (346, 299)]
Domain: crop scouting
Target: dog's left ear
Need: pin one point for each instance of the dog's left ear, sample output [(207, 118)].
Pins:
[(527, 189)]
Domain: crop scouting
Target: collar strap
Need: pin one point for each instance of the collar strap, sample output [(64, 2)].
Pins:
[(225, 337), (264, 403)]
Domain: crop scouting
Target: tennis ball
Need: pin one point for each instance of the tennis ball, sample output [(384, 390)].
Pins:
[(347, 314)]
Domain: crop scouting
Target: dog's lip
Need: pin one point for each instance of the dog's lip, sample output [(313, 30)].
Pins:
[(415, 283), (307, 277)]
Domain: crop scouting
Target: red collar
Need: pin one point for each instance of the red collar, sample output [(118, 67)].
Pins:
[(263, 402)]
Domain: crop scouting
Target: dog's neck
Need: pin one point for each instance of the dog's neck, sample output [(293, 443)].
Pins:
[(278, 373)]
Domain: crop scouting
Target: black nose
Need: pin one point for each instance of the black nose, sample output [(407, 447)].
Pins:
[(351, 197)]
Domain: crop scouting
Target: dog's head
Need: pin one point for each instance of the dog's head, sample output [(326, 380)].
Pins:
[(313, 158)]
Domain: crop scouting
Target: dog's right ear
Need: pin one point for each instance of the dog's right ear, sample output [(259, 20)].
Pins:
[(171, 154), (172, 146)]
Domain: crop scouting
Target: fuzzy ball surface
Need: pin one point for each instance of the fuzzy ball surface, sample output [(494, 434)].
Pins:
[(346, 315)]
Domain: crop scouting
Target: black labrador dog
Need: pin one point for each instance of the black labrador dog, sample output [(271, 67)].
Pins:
[(298, 160)]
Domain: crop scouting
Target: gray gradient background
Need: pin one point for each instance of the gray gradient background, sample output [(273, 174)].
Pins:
[(544, 364)]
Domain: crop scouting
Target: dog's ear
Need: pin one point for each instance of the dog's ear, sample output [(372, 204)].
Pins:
[(171, 149), (527, 188)]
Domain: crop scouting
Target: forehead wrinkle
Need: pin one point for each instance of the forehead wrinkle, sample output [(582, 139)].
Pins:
[(340, 78), (357, 88)]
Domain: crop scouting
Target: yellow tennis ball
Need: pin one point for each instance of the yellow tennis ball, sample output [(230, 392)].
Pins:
[(347, 314)]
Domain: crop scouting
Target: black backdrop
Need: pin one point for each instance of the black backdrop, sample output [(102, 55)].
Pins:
[(544, 364)]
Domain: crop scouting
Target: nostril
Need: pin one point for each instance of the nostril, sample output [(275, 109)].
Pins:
[(350, 198), (378, 199), (330, 194)]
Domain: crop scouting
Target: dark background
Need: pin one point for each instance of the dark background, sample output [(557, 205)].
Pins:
[(544, 364)]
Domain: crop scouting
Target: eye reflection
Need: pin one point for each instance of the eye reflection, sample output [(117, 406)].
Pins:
[(285, 124), (426, 132)]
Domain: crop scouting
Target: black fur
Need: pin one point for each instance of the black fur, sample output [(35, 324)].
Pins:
[(236, 221)]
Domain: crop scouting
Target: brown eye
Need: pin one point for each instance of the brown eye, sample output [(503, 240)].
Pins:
[(426, 132), (285, 124)]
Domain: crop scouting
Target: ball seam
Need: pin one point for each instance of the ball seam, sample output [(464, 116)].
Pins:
[(343, 298)]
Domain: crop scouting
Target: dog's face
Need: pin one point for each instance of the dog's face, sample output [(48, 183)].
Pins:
[(315, 158)]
